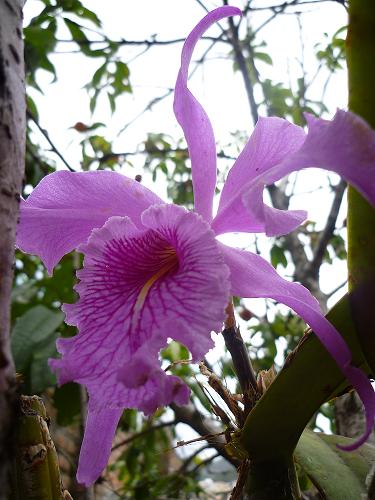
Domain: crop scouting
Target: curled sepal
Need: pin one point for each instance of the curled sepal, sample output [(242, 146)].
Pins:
[(195, 122)]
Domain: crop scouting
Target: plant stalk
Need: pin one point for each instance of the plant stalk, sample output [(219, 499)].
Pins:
[(36, 474)]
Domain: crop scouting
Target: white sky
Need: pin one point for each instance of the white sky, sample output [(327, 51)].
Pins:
[(221, 91)]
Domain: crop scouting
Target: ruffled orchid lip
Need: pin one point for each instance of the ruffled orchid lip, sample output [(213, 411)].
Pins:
[(139, 287)]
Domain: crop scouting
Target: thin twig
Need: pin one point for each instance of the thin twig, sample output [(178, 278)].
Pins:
[(267, 21), (336, 289), (147, 42), (207, 437), (47, 137), (143, 433)]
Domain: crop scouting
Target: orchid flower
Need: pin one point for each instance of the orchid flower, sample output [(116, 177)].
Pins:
[(154, 271)]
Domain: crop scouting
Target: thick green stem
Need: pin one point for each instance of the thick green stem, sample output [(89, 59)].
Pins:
[(273, 481), (36, 469), (361, 215)]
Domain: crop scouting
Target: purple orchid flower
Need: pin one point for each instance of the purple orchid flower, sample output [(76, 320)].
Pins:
[(154, 271)]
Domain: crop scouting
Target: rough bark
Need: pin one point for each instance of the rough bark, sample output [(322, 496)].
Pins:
[(12, 145)]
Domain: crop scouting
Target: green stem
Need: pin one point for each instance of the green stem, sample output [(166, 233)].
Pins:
[(273, 481), (37, 473), (361, 215)]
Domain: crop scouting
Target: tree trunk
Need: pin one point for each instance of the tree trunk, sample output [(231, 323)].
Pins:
[(12, 145)]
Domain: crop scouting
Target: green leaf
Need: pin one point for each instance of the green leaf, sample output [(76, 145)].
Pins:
[(39, 37), (309, 378), (76, 7), (122, 71), (46, 64), (120, 83), (112, 101), (337, 475), (31, 331), (99, 144), (93, 101), (31, 106), (278, 256), (263, 56), (78, 36), (99, 73), (90, 15), (76, 31), (338, 244), (33, 342)]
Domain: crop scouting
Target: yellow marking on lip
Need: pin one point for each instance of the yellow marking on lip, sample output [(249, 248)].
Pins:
[(169, 260)]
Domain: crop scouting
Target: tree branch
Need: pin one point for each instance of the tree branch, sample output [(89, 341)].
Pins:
[(46, 136), (241, 361), (241, 61), (329, 229)]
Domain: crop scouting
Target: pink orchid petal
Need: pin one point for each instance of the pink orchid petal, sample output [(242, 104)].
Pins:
[(249, 214), (345, 145), (139, 287), (195, 122), (252, 276), (241, 207), (97, 443), (272, 140), (64, 208), (366, 392)]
